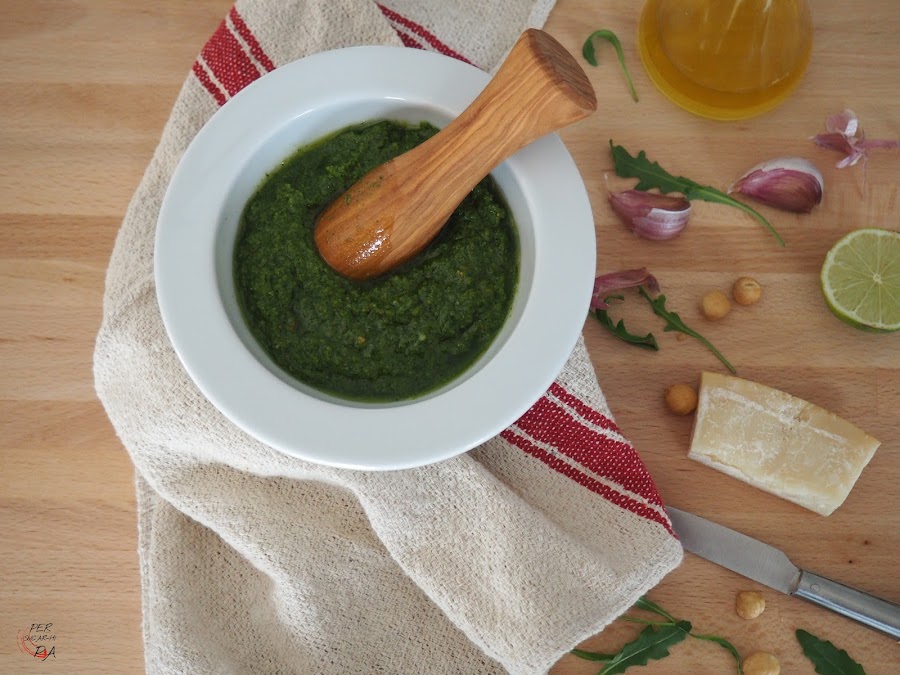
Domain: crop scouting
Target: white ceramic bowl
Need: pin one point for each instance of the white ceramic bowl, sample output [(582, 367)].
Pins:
[(266, 123)]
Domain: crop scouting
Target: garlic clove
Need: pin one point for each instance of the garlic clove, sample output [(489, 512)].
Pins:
[(788, 183), (651, 215), (616, 281)]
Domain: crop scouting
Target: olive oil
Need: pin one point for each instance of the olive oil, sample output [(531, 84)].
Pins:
[(726, 59)]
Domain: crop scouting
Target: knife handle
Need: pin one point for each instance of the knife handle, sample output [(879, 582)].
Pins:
[(874, 612)]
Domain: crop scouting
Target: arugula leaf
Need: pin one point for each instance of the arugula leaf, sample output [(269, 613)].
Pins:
[(634, 619), (618, 329), (591, 656), (651, 175), (725, 643), (587, 51), (674, 323), (651, 644), (646, 603), (654, 641), (828, 659)]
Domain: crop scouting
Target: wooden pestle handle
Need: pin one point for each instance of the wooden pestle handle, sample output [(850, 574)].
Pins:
[(395, 210)]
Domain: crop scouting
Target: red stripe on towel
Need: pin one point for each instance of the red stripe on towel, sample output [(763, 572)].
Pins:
[(407, 39), (422, 32), (586, 411), (598, 419), (210, 86), (228, 62), (586, 481), (255, 49), (550, 424)]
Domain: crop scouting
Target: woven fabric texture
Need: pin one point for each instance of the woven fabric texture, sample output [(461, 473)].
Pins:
[(499, 560)]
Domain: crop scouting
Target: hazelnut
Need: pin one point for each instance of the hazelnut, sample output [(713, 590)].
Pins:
[(749, 604), (761, 663), (715, 305), (746, 291), (681, 399)]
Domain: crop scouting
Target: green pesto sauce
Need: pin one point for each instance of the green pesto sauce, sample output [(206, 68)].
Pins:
[(387, 339)]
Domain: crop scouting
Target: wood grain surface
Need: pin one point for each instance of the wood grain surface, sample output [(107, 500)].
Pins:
[(85, 90)]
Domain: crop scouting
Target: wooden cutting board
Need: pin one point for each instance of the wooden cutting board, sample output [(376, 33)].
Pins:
[(789, 340), (81, 117)]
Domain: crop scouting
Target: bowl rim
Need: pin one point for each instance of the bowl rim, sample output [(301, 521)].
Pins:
[(343, 433)]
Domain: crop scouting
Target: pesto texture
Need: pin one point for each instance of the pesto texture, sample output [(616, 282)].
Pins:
[(391, 338)]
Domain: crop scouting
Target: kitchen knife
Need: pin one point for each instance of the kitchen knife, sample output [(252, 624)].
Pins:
[(767, 565)]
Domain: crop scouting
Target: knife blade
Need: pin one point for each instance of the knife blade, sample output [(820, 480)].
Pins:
[(771, 567)]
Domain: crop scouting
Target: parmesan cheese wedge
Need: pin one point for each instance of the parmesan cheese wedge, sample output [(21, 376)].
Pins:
[(778, 443)]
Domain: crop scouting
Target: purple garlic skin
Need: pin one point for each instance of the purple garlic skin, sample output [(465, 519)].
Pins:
[(788, 183), (651, 215), (616, 281), (842, 130)]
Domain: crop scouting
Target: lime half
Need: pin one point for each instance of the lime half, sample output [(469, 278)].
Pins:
[(861, 280)]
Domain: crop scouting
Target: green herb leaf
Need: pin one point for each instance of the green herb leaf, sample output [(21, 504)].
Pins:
[(634, 619), (674, 323), (591, 656), (647, 604), (587, 51), (725, 643), (651, 175), (828, 659), (618, 329), (651, 644)]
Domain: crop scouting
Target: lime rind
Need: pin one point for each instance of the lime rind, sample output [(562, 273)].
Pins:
[(861, 280)]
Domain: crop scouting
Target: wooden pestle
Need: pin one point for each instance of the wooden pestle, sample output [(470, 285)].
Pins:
[(395, 210)]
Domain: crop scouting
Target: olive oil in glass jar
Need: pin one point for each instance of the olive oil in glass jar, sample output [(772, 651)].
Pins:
[(726, 59)]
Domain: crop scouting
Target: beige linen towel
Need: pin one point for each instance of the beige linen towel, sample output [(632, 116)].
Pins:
[(255, 562)]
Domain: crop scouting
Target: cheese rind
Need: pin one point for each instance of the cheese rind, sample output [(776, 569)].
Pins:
[(778, 442)]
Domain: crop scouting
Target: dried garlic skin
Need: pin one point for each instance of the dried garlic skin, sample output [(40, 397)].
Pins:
[(746, 291), (681, 399), (761, 663), (749, 604), (715, 305)]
